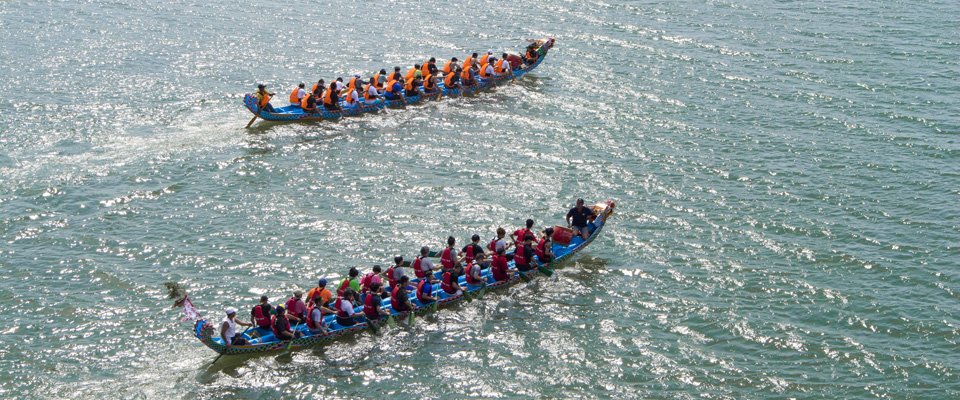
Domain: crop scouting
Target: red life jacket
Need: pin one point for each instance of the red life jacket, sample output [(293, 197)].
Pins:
[(493, 244), (365, 282), (519, 258), (262, 320), (420, 293), (499, 268), (394, 301), (290, 306), (416, 268), (469, 254), (371, 306), (343, 287), (446, 258), (446, 284), (284, 326), (470, 279), (311, 323), (393, 282), (541, 248), (340, 312), (521, 233)]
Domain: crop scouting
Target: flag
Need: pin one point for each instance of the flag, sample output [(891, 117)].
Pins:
[(189, 312)]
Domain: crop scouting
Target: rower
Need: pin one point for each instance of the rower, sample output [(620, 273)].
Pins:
[(228, 329), (486, 70), (320, 290), (425, 292), (544, 249), (577, 219), (317, 88), (263, 99), (474, 271), (297, 94), (395, 272), (394, 90), (468, 77), (399, 299), (429, 83), (281, 326), (450, 282), (340, 85), (351, 99), (315, 323), (499, 267), (371, 305), (369, 279), (412, 72), (260, 314), (331, 99), (502, 66), (427, 66), (472, 250), (309, 104), (531, 55), (352, 281), (296, 310), (498, 241), (448, 257), (450, 66), (468, 63), (518, 235), (486, 58), (412, 87), (355, 83), (422, 266), (395, 76), (452, 80), (523, 256), (379, 79), (370, 92), (344, 308)]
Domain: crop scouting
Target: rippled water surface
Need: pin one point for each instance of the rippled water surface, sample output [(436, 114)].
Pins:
[(786, 173)]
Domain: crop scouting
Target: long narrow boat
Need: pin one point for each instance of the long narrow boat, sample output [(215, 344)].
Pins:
[(295, 113), (263, 340)]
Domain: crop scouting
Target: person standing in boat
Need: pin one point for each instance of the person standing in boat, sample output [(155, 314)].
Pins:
[(281, 326), (331, 98), (518, 235), (523, 256), (296, 310), (448, 257), (345, 308), (260, 314), (263, 99), (578, 217), (423, 268), (544, 249), (499, 268), (399, 299), (228, 329), (297, 95)]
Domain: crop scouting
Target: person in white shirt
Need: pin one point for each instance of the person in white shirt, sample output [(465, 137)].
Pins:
[(372, 94), (228, 329), (344, 306)]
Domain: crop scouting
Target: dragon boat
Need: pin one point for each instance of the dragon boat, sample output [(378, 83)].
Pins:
[(295, 113), (263, 340)]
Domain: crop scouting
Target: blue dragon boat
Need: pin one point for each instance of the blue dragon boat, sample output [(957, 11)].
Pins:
[(295, 113), (263, 340)]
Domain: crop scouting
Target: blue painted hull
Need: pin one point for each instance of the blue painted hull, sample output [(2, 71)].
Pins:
[(295, 113), (264, 341)]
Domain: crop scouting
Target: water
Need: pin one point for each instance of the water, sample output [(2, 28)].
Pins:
[(786, 173)]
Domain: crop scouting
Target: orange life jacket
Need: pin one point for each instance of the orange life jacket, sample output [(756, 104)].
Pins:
[(376, 81), (425, 68), (294, 99), (264, 100), (366, 93), (411, 73), (498, 67), (531, 54), (303, 103), (483, 71), (390, 85), (409, 84), (448, 67), (468, 63), (348, 98), (465, 75), (484, 58), (448, 81), (428, 83), (327, 99), (352, 84)]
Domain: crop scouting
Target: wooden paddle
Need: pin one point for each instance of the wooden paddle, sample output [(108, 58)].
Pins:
[(251, 121), (294, 331)]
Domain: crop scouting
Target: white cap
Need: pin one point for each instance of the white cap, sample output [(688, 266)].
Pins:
[(356, 75), (490, 51), (231, 310)]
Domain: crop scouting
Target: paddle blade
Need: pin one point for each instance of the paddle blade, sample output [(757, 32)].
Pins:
[(433, 307), (523, 276), (373, 326), (545, 271), (410, 318), (390, 321)]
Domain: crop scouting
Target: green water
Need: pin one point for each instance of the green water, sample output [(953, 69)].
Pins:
[(786, 176)]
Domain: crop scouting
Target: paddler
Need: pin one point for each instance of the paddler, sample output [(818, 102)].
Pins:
[(395, 272), (296, 310), (369, 279), (394, 90), (450, 66), (468, 63), (425, 292), (412, 87), (263, 99), (499, 267), (518, 235), (471, 251), (502, 66), (544, 248), (380, 79), (355, 82), (452, 79), (315, 323), (530, 57), (474, 271), (399, 299), (411, 72), (486, 57), (396, 75), (431, 63), (345, 308), (370, 93), (450, 282), (319, 290), (498, 241), (468, 77), (317, 88), (523, 256), (423, 268), (448, 256), (371, 305), (352, 281), (260, 314), (350, 98), (228, 329), (577, 219), (331, 99), (429, 84), (486, 70), (281, 326), (309, 104), (297, 95)]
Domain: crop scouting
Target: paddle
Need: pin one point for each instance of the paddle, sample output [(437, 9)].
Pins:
[(544, 270), (390, 321), (251, 121), (373, 326), (523, 276), (294, 331)]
